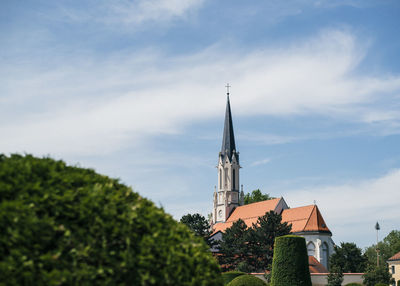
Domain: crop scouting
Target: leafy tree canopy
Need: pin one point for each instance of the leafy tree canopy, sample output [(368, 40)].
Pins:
[(335, 277), (251, 249), (375, 275), (63, 225), (256, 196), (233, 247), (199, 225), (388, 247), (261, 238), (348, 258)]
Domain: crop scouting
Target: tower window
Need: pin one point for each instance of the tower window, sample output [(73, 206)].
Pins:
[(220, 178), (233, 179), (226, 177)]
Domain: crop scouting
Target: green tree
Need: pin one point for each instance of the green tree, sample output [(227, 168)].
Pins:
[(233, 246), (388, 247), (256, 196), (261, 238), (64, 225), (375, 275), (199, 225), (348, 258), (335, 277)]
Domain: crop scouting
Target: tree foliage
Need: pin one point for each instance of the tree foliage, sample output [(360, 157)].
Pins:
[(290, 262), (261, 238), (348, 258), (375, 275), (251, 249), (256, 196), (63, 225), (199, 225), (233, 247), (335, 277), (388, 247)]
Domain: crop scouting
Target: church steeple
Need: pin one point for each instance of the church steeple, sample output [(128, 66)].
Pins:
[(226, 195), (228, 140)]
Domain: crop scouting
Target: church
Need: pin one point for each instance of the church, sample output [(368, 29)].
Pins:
[(228, 204)]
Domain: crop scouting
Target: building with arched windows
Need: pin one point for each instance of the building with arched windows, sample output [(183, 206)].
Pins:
[(228, 203)]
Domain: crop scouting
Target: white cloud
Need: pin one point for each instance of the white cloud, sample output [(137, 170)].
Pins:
[(90, 105), (261, 162), (351, 210), (131, 13)]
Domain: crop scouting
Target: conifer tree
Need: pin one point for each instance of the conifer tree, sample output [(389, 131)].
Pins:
[(233, 246)]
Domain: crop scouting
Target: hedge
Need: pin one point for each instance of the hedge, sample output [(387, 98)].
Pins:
[(64, 225), (290, 262), (230, 275), (247, 280)]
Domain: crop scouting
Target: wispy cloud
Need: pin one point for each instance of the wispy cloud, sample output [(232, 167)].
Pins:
[(130, 13), (87, 104), (351, 209), (261, 162)]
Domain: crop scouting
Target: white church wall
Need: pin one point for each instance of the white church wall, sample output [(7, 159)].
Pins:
[(319, 240)]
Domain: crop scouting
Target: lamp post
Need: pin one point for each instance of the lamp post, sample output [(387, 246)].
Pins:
[(377, 227)]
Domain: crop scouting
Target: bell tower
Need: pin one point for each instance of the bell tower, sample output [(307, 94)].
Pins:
[(226, 194)]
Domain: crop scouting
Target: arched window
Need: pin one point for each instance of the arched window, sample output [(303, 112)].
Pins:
[(233, 179), (311, 249), (325, 254), (226, 177), (220, 179)]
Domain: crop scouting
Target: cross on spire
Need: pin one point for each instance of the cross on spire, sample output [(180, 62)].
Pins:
[(227, 88)]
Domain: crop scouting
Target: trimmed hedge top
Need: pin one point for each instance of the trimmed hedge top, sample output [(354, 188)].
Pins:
[(230, 275), (290, 262), (247, 280), (68, 225)]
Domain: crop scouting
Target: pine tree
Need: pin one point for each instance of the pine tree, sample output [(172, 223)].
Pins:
[(233, 246), (261, 239)]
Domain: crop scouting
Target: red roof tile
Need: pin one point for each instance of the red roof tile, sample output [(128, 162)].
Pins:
[(307, 218), (315, 266), (248, 213), (395, 257)]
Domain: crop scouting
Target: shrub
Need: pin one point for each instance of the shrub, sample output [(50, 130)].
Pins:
[(381, 284), (63, 225), (290, 262), (230, 275), (353, 284), (246, 280)]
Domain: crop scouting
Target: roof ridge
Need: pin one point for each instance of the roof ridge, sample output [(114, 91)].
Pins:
[(309, 217)]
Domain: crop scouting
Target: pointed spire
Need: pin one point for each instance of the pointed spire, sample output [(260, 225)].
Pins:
[(228, 141)]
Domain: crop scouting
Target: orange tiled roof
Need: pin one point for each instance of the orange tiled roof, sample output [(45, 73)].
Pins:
[(307, 218), (395, 257), (315, 266), (248, 213)]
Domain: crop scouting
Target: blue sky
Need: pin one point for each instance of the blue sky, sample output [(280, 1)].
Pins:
[(135, 90)]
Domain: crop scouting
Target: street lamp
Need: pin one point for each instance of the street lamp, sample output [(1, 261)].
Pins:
[(377, 227)]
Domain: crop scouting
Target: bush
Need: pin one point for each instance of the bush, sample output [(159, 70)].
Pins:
[(246, 280), (71, 226), (381, 284), (290, 262), (353, 284), (230, 275)]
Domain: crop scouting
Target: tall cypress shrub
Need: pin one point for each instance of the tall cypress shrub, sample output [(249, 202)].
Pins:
[(290, 262)]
